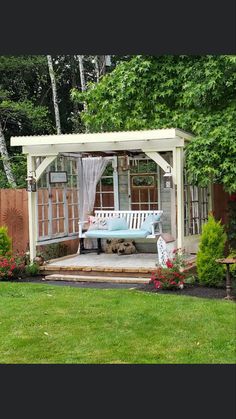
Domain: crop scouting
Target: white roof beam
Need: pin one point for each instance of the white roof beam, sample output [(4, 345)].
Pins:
[(151, 145), (160, 134)]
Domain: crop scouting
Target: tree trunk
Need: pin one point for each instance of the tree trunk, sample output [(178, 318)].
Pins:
[(97, 72), (5, 159), (54, 94), (81, 70), (76, 124), (101, 61), (82, 76)]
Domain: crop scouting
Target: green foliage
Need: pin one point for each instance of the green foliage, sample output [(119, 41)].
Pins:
[(54, 250), (194, 93), (190, 280), (32, 269), (26, 105), (19, 170), (5, 241), (212, 243)]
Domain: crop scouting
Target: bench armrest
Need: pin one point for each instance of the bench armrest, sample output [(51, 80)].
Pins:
[(154, 223), (80, 227)]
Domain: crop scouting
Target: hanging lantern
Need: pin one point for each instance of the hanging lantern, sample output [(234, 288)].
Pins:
[(168, 180), (124, 162), (31, 184)]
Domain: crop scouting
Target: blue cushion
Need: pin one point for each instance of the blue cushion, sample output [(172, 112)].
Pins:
[(117, 234), (147, 224), (117, 224)]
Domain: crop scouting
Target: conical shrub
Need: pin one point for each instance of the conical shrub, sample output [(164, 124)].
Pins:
[(211, 247)]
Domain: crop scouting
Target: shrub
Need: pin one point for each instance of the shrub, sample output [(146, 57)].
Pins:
[(190, 280), (212, 244), (12, 267), (54, 250), (32, 269), (7, 267), (5, 242), (20, 261), (172, 275)]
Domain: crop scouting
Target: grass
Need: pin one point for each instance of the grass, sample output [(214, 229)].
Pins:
[(51, 324)]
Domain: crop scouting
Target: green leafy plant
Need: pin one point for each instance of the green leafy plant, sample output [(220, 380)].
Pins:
[(212, 245), (32, 269), (190, 280), (53, 251), (5, 242)]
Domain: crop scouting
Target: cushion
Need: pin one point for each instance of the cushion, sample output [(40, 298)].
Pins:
[(97, 223), (117, 234), (117, 224), (147, 224)]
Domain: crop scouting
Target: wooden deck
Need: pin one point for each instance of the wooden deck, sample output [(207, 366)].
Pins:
[(139, 265)]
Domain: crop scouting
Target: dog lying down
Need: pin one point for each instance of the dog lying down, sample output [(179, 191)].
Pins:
[(120, 246)]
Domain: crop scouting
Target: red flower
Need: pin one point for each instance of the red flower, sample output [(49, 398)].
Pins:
[(157, 284), (169, 264)]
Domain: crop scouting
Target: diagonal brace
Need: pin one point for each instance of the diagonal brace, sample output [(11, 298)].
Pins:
[(42, 167)]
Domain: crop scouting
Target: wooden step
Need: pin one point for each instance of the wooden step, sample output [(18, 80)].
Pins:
[(95, 271), (97, 278)]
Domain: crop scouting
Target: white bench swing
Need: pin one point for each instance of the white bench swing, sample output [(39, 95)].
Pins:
[(141, 225)]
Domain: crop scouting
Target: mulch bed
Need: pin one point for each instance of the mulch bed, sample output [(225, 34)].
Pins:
[(190, 290)]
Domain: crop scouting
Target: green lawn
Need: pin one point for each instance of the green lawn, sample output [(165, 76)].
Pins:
[(51, 324)]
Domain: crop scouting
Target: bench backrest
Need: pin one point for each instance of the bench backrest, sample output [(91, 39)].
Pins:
[(134, 218)]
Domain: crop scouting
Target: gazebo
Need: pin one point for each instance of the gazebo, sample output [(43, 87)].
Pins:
[(187, 205)]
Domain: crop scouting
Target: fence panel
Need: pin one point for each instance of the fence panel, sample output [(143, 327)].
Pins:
[(14, 215)]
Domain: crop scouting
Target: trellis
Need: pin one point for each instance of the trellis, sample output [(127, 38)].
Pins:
[(150, 142)]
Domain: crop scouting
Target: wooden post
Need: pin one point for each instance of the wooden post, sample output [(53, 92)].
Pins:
[(173, 197), (115, 182), (180, 196), (32, 209), (228, 283)]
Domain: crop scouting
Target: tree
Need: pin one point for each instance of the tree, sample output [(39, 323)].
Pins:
[(5, 159), (23, 87), (194, 93), (54, 94), (101, 62)]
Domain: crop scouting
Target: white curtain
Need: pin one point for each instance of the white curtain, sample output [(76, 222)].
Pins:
[(90, 172)]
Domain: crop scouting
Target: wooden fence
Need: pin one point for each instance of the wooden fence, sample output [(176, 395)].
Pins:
[(220, 203), (14, 215)]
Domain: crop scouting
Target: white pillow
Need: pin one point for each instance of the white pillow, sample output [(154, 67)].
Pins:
[(97, 223)]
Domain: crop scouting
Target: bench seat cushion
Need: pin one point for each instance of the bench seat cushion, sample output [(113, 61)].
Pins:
[(117, 234)]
